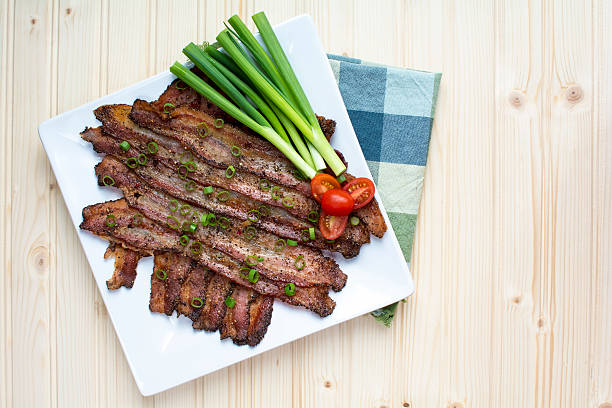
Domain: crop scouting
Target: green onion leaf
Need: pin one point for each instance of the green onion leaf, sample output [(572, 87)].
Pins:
[(252, 260), (132, 162), (311, 230), (186, 157), (264, 210), (192, 228), (223, 195), (184, 240), (184, 209), (253, 276), (235, 151), (208, 190), (108, 181), (230, 302), (125, 145), (253, 215), (174, 205), (313, 216), (200, 127), (279, 244), (230, 171), (111, 220), (219, 123), (224, 222), (212, 220), (197, 302), (168, 106), (354, 220), (274, 194), (250, 232), (300, 263), (264, 184), (288, 202), (204, 219), (341, 179), (142, 159), (152, 147), (161, 274), (137, 219), (290, 289), (172, 222), (305, 236), (196, 248), (190, 185), (291, 242)]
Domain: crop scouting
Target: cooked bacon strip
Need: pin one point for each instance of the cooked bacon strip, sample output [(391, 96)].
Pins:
[(194, 287), (260, 316), (214, 308), (277, 265), (118, 125), (237, 319), (278, 222), (370, 214), (165, 293), (148, 236), (126, 262)]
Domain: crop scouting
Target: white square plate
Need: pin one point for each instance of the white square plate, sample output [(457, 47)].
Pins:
[(154, 343)]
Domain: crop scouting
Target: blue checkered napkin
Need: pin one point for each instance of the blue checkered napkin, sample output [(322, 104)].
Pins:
[(392, 111)]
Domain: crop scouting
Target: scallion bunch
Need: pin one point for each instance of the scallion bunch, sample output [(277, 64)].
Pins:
[(262, 92)]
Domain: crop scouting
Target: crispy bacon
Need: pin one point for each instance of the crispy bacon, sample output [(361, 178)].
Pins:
[(165, 293), (126, 262), (278, 222), (149, 236), (214, 308), (194, 288)]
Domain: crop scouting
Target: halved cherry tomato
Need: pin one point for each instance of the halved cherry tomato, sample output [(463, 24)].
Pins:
[(321, 183), (337, 202), (332, 226), (362, 190)]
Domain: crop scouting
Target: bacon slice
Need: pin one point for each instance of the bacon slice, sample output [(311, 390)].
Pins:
[(194, 287), (214, 309), (278, 222), (126, 262), (165, 293), (278, 265), (237, 319), (150, 236)]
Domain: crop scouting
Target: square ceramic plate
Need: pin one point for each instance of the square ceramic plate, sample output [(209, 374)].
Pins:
[(155, 343)]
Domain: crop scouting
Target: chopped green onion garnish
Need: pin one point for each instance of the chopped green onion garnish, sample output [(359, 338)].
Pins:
[(291, 242), (264, 184), (204, 219), (252, 260), (152, 147), (212, 219), (230, 171), (196, 248), (354, 220), (253, 276), (111, 220), (125, 145), (290, 289), (253, 215), (190, 185), (172, 222), (279, 244), (305, 236), (184, 240), (207, 190), (186, 157), (223, 195), (168, 106), (313, 216), (273, 193), (341, 178), (191, 167), (182, 171), (161, 274), (184, 209), (219, 123), (137, 219), (300, 263), (288, 202), (132, 162), (264, 210), (311, 230), (142, 159), (224, 222), (108, 181), (197, 302), (250, 232), (230, 302), (235, 151), (174, 205), (202, 126), (192, 228), (180, 87)]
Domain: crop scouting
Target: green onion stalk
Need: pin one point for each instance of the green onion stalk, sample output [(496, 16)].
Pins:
[(266, 131)]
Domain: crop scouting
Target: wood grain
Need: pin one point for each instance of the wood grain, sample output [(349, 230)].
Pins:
[(512, 256)]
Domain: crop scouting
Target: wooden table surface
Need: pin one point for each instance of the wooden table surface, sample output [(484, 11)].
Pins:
[(512, 259)]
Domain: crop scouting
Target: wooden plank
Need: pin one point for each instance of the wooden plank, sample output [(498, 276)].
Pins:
[(30, 258), (6, 73), (518, 179), (600, 379), (78, 305), (570, 139)]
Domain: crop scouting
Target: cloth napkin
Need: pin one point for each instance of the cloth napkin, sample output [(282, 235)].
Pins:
[(392, 111)]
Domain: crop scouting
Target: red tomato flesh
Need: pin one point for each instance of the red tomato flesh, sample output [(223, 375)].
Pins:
[(332, 226), (362, 190), (337, 202), (321, 183)]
